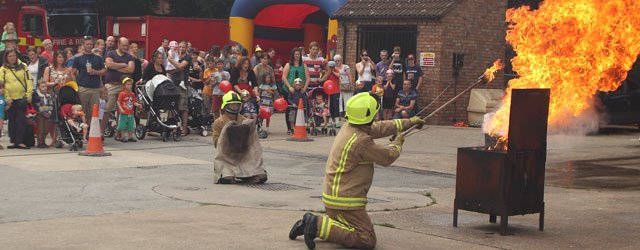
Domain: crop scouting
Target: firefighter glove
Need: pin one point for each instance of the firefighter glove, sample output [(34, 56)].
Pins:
[(417, 121), (399, 139)]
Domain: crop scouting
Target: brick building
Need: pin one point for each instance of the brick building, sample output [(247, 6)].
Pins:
[(474, 28)]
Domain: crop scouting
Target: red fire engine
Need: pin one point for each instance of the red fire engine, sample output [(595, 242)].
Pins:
[(64, 22), (148, 31)]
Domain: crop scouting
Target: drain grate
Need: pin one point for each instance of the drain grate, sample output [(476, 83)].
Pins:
[(275, 186), (369, 200)]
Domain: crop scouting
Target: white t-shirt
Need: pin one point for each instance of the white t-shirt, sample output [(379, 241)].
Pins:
[(33, 70)]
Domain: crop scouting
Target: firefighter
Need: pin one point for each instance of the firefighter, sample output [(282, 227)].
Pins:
[(231, 104), (238, 154), (349, 174)]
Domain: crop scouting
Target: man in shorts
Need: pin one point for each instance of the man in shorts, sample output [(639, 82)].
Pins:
[(118, 62)]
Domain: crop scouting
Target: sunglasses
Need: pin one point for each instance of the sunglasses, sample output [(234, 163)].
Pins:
[(364, 55)]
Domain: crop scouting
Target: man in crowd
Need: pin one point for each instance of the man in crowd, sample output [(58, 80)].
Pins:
[(164, 49), (110, 44), (180, 77), (315, 64), (383, 65), (48, 50), (413, 73), (118, 63), (88, 68), (11, 42)]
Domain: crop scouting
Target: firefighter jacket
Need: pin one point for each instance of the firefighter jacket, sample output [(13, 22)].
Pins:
[(219, 123), (349, 170)]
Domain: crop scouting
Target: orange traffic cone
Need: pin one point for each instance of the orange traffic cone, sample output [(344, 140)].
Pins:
[(300, 130), (94, 147)]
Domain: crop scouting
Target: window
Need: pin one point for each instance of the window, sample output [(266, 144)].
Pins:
[(33, 24), (377, 38), (61, 25)]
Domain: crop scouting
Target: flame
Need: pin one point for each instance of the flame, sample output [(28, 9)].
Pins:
[(489, 74), (573, 47)]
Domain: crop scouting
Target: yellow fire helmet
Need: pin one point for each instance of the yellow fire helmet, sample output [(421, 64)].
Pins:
[(362, 108), (229, 98)]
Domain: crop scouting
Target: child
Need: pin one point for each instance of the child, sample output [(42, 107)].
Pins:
[(173, 54), (294, 99), (43, 102), (3, 107), (216, 76), (248, 107), (74, 116), (321, 110), (378, 90), (277, 71), (9, 28), (102, 105), (268, 92), (126, 102), (207, 90)]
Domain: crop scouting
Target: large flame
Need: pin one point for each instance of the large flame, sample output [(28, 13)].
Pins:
[(573, 47)]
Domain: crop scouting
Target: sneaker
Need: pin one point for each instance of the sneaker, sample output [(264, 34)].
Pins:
[(132, 139), (338, 125), (123, 140), (310, 222)]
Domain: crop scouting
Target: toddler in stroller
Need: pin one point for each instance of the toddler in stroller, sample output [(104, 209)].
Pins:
[(319, 112), (67, 98)]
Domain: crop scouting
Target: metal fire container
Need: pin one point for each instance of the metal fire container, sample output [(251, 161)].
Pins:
[(505, 183)]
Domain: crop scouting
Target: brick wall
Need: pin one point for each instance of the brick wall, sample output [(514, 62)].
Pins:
[(473, 27)]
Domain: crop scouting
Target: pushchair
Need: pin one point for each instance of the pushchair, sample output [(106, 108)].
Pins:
[(316, 121), (67, 134), (198, 120), (160, 97)]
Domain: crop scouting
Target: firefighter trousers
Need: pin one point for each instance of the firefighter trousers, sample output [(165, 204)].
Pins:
[(351, 228)]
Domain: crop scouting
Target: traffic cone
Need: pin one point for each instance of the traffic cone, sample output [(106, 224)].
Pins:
[(300, 130), (94, 147)]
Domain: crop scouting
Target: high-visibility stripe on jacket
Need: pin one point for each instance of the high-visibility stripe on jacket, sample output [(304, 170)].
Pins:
[(349, 169)]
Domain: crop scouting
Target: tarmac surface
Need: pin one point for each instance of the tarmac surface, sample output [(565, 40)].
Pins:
[(160, 195)]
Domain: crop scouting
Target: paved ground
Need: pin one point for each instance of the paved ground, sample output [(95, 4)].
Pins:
[(152, 194)]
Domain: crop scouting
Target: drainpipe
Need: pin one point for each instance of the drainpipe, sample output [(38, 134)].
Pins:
[(344, 42)]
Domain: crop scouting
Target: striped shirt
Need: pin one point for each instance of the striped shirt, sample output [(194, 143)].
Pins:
[(315, 67)]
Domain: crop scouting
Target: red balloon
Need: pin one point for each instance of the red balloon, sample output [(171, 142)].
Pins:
[(225, 86), (265, 112), (330, 87), (281, 104)]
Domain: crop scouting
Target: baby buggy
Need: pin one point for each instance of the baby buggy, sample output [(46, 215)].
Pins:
[(316, 120), (67, 134), (160, 97), (198, 120)]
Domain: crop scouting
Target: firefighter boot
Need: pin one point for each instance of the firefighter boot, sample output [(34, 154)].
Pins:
[(227, 180), (298, 227), (310, 222)]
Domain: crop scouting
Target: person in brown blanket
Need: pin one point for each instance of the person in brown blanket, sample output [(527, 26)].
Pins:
[(238, 152)]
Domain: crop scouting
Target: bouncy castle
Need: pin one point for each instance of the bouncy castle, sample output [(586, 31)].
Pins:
[(284, 24)]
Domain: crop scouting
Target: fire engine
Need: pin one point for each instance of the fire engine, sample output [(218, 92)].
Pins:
[(64, 22)]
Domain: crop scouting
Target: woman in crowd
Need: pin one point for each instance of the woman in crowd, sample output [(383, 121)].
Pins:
[(156, 67), (37, 65), (346, 83), (70, 56), (18, 88), (56, 75), (243, 77), (263, 68), (295, 68), (366, 71), (139, 64)]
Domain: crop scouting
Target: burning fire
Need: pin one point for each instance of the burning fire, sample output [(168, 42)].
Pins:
[(489, 74), (573, 47)]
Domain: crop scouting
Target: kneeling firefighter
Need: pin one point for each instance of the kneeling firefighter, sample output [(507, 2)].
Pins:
[(349, 174), (238, 151)]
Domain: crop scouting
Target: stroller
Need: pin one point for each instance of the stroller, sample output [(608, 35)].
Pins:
[(315, 120), (67, 134), (160, 99), (198, 120)]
